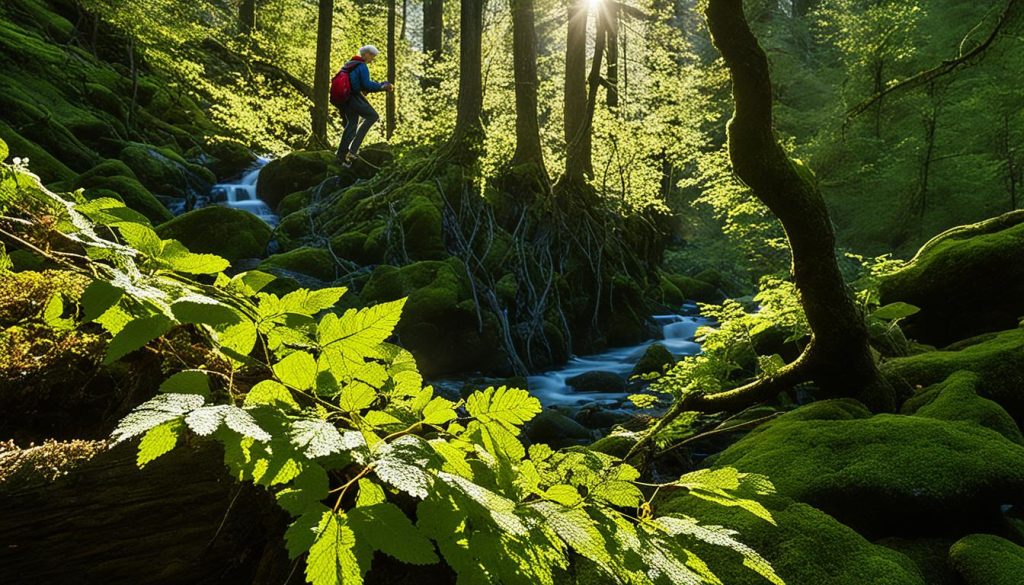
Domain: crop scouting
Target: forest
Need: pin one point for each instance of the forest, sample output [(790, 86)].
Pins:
[(512, 292)]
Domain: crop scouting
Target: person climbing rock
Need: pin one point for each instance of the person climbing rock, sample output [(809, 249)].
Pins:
[(348, 93)]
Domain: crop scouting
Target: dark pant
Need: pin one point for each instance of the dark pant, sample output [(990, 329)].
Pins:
[(357, 107)]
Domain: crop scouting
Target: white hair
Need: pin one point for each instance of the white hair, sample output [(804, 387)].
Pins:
[(369, 49)]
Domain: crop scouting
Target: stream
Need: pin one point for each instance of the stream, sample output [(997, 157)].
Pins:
[(239, 195)]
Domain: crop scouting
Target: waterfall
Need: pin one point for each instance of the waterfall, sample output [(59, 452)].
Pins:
[(242, 195)]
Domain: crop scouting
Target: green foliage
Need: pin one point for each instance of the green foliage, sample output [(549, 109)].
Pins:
[(341, 424)]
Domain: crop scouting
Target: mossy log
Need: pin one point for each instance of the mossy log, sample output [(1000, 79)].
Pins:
[(181, 519)]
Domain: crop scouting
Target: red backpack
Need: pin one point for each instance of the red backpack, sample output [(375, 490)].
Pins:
[(341, 85)]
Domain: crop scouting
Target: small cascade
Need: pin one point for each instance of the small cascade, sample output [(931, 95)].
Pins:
[(242, 195), (551, 388)]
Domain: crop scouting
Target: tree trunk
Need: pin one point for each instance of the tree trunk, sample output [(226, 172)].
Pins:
[(838, 357), (468, 135), (322, 72), (247, 16), (433, 35), (524, 57), (181, 519), (577, 139), (389, 103), (610, 11)]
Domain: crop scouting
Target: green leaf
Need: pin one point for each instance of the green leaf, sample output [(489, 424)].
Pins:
[(643, 401), (142, 238), (894, 311), (403, 464), (438, 411), (53, 310), (158, 441), (387, 529), (302, 533), (369, 493), (360, 332), (203, 310), (618, 493), (306, 302), (356, 397), (4, 152), (204, 421), (239, 338), (154, 412), (306, 491), (718, 536), (254, 280), (332, 560), (98, 297), (563, 494), (187, 382), (271, 393), (177, 257), (297, 370), (319, 438), (512, 407), (135, 335)]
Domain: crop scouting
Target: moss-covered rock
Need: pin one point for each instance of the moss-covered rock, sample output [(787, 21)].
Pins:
[(693, 289), (227, 158), (114, 176), (984, 559), (315, 262), (292, 203), (230, 233), (966, 281), (998, 361), (296, 171), (887, 474), (805, 547), (597, 381), (358, 247), (41, 162), (931, 555), (440, 323), (557, 430), (956, 399), (656, 358), (615, 444), (421, 229)]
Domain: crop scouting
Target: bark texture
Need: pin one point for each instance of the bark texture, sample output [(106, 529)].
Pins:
[(322, 71), (468, 135), (524, 58), (577, 138)]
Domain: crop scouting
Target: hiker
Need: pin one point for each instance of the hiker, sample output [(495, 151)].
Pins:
[(348, 93)]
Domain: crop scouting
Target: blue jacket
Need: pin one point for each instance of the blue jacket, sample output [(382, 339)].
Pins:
[(361, 82)]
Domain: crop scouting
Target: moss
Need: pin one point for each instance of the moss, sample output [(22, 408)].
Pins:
[(997, 360), (24, 294), (655, 359), (294, 172), (117, 177), (294, 230), (228, 158), (421, 229), (440, 324), (616, 445), (931, 555), (694, 289), (984, 559), (888, 473), (357, 247), (956, 399), (805, 547), (624, 328), (230, 233), (164, 171), (967, 282), (669, 293), (292, 203), (44, 463), (315, 262), (104, 99), (507, 288), (41, 162)]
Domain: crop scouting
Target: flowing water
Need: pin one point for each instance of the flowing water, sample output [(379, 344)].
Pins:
[(551, 387), (242, 195)]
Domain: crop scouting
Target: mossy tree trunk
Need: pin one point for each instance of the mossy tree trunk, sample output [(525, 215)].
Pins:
[(467, 138), (322, 72), (838, 358), (610, 12), (524, 58), (577, 140), (247, 16), (433, 35)]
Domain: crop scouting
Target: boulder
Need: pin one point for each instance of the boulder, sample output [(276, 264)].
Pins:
[(967, 280), (997, 360), (164, 172), (655, 360), (885, 474), (440, 324), (804, 547), (114, 178), (956, 399), (597, 381), (315, 262), (229, 158), (931, 555), (421, 229), (230, 233), (984, 559), (298, 171), (557, 430)]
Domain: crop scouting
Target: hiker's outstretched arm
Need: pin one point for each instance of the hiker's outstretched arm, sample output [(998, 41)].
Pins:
[(365, 82)]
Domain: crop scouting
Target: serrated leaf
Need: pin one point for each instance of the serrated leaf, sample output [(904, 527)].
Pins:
[(239, 338), (718, 536), (306, 491), (355, 397), (142, 238), (297, 369), (204, 421), (271, 393), (302, 533), (643, 401), (136, 334), (187, 382), (403, 465), (438, 411), (306, 302), (360, 332), (511, 407), (563, 494), (160, 409), (97, 298), (196, 308), (332, 560), (158, 441), (178, 258), (369, 493), (387, 529), (319, 438), (618, 493)]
